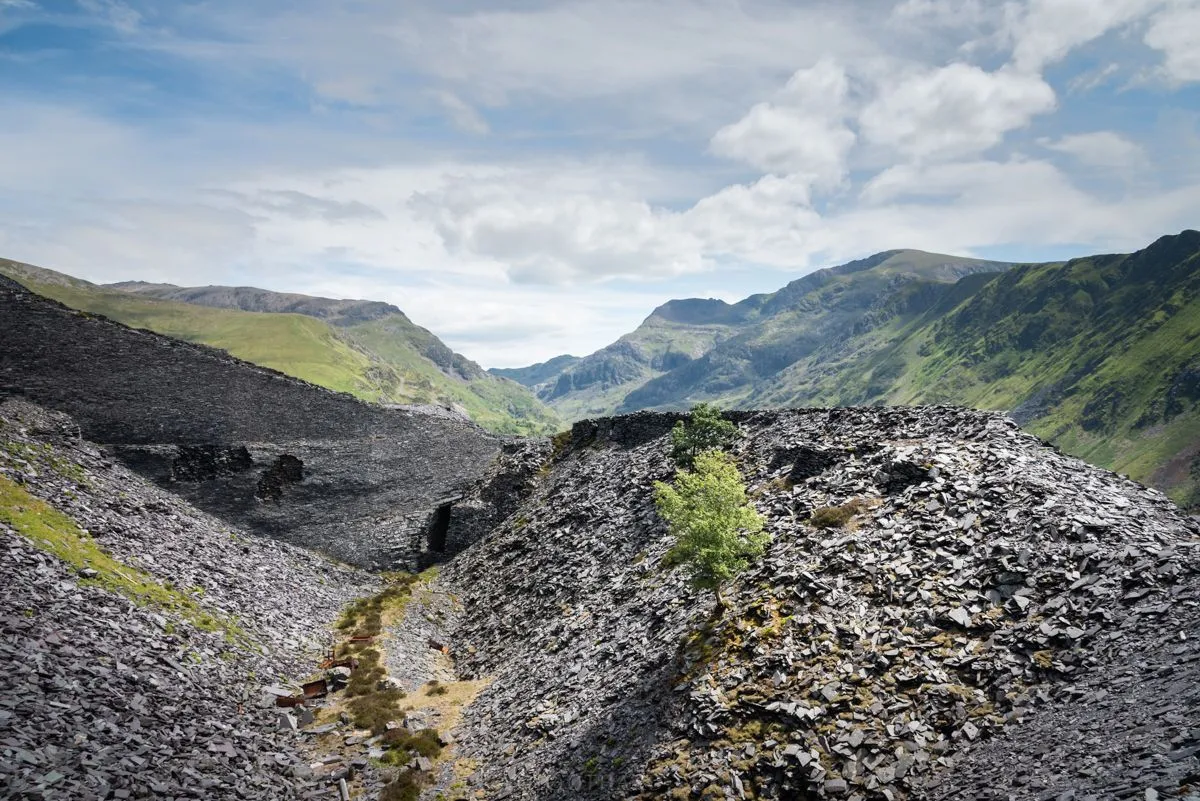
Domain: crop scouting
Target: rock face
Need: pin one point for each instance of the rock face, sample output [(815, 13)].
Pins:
[(218, 430), (988, 601), (108, 696)]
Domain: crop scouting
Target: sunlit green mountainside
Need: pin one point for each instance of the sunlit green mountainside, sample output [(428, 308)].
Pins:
[(693, 349), (369, 349), (1099, 355)]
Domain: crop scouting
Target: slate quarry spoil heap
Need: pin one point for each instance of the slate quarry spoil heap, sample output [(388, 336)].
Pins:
[(947, 641), (252, 446), (136, 632)]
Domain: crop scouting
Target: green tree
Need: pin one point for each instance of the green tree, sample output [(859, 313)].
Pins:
[(705, 429), (717, 532)]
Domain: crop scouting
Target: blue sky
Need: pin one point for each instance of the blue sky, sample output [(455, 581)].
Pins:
[(532, 178)]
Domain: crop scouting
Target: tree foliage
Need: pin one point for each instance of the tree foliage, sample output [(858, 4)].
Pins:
[(717, 532), (705, 429)]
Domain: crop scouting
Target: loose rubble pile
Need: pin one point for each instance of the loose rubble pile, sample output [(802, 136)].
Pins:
[(251, 446), (107, 698), (983, 586)]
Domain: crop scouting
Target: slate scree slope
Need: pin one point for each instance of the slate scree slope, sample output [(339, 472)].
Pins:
[(110, 697), (996, 620), (252, 446)]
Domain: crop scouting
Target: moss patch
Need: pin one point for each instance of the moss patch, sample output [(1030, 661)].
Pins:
[(55, 533)]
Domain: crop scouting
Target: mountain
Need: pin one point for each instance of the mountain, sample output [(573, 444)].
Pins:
[(535, 374), (1099, 355), (367, 348), (696, 348)]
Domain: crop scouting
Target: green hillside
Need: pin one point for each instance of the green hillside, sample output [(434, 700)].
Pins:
[(1099, 355), (692, 350), (384, 360)]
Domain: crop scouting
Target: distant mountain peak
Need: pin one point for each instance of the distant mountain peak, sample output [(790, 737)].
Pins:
[(696, 311)]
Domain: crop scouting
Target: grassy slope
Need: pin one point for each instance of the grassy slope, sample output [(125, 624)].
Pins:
[(1100, 356), (496, 403), (357, 360), (300, 346), (1093, 355)]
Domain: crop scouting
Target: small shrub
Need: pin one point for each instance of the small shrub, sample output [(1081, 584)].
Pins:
[(376, 710), (836, 516), (405, 787), (561, 441), (704, 430), (717, 531)]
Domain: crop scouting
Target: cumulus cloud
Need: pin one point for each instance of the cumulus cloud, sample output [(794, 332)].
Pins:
[(803, 132), (545, 235), (953, 111)]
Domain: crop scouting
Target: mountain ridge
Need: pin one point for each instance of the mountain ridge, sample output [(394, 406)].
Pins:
[(678, 336), (370, 349), (907, 327)]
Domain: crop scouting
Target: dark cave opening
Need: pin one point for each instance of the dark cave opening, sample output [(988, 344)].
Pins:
[(439, 527)]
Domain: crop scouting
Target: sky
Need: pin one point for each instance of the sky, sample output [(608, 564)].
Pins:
[(529, 178)]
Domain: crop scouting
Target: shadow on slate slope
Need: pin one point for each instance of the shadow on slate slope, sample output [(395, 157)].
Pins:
[(155, 400)]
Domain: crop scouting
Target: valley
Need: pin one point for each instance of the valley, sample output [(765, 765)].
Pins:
[(229, 581), (1096, 354)]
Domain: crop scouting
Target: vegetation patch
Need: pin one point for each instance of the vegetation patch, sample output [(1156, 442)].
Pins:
[(836, 516), (56, 534), (705, 429), (717, 531), (374, 704)]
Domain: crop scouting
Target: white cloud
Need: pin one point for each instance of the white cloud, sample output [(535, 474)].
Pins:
[(590, 49), (1044, 31), (1104, 149), (763, 222), (803, 132), (1176, 32), (953, 111), (548, 234)]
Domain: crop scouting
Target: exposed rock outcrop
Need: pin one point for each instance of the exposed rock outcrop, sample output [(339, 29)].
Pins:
[(215, 429), (987, 586)]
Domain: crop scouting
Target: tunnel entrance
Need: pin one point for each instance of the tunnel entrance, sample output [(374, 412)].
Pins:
[(439, 527)]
